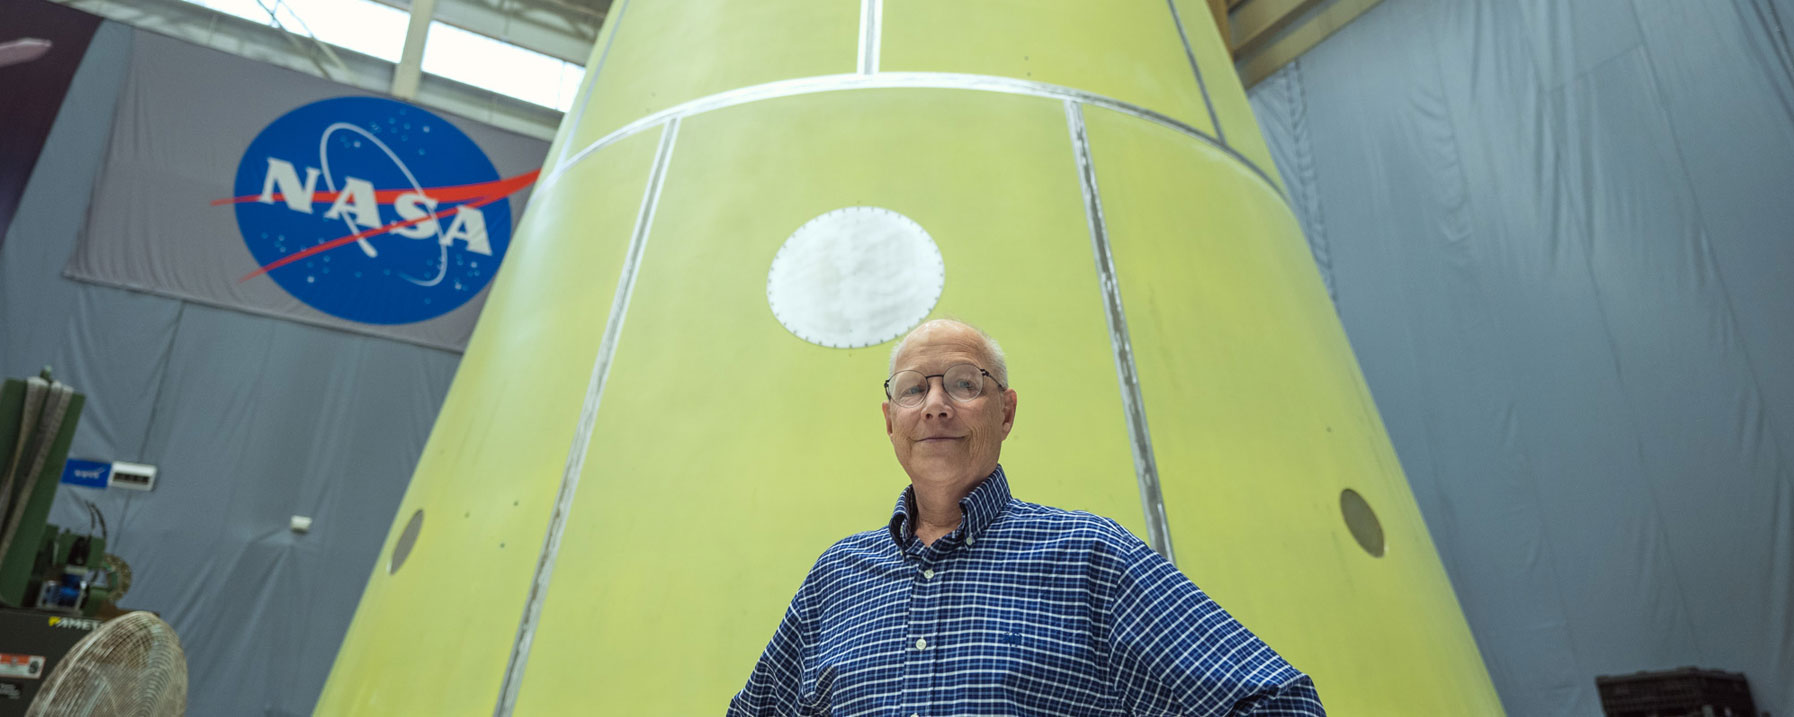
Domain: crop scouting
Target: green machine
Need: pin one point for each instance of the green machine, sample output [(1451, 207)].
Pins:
[(43, 566)]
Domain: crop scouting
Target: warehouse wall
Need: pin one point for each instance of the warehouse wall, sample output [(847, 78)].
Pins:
[(1558, 234), (251, 420)]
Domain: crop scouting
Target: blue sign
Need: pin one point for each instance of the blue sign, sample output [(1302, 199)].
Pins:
[(373, 210), (88, 474)]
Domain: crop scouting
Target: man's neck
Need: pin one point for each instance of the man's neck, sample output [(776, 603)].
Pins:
[(937, 506), (934, 522)]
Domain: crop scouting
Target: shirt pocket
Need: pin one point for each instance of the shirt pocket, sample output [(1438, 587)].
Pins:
[(1045, 662)]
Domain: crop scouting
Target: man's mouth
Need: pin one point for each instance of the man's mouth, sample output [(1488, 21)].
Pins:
[(937, 439)]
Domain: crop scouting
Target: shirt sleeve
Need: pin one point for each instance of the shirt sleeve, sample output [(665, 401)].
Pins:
[(1173, 650), (776, 686), (777, 680)]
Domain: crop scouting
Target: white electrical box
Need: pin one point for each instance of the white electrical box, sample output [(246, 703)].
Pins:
[(135, 476)]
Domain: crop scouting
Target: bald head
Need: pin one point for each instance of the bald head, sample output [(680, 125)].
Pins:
[(956, 331)]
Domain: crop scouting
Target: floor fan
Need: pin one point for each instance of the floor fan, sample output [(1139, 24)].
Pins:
[(132, 665)]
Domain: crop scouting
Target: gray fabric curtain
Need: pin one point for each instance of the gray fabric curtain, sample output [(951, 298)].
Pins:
[(251, 420), (1558, 234)]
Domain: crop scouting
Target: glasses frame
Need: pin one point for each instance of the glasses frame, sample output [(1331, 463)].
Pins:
[(928, 380)]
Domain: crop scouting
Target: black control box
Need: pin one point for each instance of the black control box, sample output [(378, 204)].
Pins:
[(31, 644)]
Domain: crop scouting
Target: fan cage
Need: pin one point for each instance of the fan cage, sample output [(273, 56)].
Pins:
[(131, 666)]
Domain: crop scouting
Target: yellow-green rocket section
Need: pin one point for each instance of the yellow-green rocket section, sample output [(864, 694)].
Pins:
[(639, 459)]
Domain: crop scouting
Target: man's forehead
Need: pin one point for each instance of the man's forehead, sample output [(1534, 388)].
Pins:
[(941, 343)]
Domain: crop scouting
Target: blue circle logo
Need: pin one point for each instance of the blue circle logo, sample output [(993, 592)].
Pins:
[(373, 210)]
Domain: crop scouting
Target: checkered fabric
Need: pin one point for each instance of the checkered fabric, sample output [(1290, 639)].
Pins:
[(1022, 610)]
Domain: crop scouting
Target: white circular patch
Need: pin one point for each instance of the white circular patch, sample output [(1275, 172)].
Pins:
[(854, 277)]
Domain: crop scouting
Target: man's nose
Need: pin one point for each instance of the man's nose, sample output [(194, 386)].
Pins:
[(936, 404)]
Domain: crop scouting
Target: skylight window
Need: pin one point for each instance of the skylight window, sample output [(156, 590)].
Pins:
[(501, 67), (364, 26), (378, 30)]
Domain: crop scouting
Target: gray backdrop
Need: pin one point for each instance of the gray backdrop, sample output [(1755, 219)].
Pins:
[(251, 420), (1559, 235)]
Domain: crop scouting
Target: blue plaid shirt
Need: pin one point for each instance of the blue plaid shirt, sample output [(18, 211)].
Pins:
[(1022, 610)]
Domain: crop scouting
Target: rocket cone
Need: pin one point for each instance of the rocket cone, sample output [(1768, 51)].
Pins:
[(670, 406)]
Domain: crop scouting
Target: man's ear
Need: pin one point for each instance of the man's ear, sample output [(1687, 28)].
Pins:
[(886, 407), (1008, 411)]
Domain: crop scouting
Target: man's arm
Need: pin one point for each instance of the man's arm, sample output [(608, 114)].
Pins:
[(776, 684), (1174, 651)]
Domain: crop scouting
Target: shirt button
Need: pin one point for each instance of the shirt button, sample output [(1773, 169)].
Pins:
[(929, 573), (921, 644), (969, 541)]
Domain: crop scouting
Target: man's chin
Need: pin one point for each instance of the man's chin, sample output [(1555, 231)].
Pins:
[(939, 468), (939, 457)]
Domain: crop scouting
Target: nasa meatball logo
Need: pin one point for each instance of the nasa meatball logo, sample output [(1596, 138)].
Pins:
[(372, 210)]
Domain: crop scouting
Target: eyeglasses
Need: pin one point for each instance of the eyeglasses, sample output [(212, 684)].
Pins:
[(963, 383)]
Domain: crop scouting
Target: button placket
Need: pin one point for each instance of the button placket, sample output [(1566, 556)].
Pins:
[(922, 591), (919, 677)]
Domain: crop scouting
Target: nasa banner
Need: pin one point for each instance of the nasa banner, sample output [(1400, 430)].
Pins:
[(252, 187)]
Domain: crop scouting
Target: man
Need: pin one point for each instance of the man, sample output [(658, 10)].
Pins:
[(973, 602)]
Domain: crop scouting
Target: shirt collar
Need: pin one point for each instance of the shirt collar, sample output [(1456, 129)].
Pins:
[(981, 507)]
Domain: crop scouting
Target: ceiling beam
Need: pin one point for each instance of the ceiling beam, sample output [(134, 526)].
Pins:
[(411, 61), (1292, 35), (1218, 8), (1254, 23)]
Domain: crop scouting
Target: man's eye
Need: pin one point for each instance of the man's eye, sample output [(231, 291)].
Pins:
[(963, 386), (911, 390)]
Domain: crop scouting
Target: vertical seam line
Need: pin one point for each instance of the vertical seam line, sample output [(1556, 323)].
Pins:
[(1146, 470), (582, 432), (871, 35)]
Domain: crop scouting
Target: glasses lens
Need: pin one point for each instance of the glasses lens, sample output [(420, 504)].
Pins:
[(908, 388), (963, 382)]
